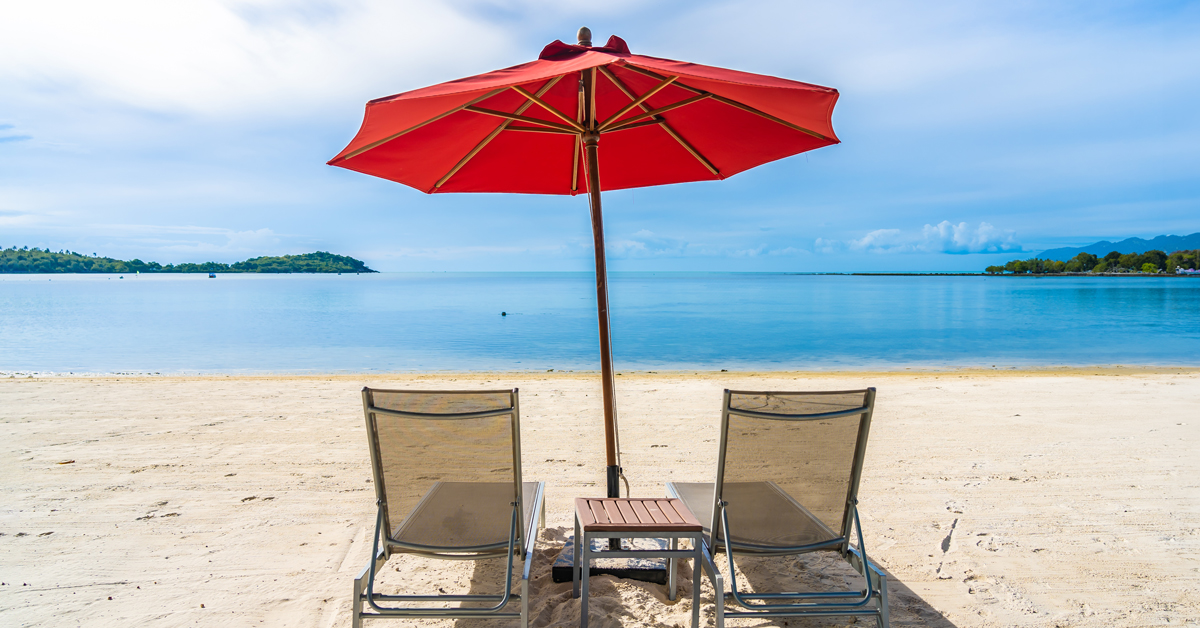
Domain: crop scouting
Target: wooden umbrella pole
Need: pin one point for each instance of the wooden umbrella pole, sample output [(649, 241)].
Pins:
[(591, 141)]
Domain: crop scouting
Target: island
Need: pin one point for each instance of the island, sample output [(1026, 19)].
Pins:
[(27, 260), (1148, 263)]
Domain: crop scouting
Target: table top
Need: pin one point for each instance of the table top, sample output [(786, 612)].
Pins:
[(628, 514)]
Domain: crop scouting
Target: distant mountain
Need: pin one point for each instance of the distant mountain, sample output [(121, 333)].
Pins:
[(1165, 243)]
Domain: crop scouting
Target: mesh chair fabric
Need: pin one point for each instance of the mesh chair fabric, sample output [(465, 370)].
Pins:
[(765, 515), (447, 482), (787, 480)]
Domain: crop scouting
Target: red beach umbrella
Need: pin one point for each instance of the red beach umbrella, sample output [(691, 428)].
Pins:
[(537, 128)]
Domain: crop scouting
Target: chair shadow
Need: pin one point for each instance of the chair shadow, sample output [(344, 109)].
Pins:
[(825, 571), (551, 603)]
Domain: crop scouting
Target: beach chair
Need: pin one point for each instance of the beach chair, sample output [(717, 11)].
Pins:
[(787, 484), (447, 472)]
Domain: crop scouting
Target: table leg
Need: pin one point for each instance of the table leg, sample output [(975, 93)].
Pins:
[(585, 576), (672, 563), (575, 555)]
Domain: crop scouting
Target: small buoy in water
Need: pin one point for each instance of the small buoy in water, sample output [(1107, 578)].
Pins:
[(503, 313)]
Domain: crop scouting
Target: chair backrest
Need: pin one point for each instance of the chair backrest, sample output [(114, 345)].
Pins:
[(810, 445), (419, 438)]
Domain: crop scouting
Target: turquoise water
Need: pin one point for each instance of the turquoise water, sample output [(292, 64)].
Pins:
[(452, 321)]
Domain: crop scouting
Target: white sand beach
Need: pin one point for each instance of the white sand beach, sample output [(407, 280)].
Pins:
[(1014, 498)]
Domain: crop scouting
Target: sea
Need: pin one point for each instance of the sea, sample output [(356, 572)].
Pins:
[(406, 322)]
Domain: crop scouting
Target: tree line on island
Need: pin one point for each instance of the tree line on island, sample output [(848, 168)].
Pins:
[(1150, 262), (27, 260)]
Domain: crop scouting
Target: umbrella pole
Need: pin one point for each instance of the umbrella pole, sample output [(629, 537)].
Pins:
[(590, 143)]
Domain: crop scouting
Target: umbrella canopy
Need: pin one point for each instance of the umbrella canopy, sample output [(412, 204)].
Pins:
[(536, 128)]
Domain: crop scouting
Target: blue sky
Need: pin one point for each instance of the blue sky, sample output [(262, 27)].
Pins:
[(972, 132)]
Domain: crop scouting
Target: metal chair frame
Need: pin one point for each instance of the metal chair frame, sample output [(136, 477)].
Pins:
[(383, 546), (810, 604)]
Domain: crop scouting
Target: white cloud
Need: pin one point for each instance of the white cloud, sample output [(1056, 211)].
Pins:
[(236, 56), (944, 237)]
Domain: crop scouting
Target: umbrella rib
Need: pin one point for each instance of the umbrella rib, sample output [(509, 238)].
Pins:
[(537, 129), (637, 102), (654, 112), (389, 138), (519, 118), (541, 103), (733, 103), (660, 121), (638, 125), (691, 149), (575, 151), (592, 104), (491, 136)]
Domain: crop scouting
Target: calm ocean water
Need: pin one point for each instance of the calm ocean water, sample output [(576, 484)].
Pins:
[(452, 321)]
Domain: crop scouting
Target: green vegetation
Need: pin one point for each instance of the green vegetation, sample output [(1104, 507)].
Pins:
[(27, 260), (1149, 262)]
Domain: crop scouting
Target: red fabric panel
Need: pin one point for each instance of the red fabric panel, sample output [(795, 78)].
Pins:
[(385, 119), (521, 163)]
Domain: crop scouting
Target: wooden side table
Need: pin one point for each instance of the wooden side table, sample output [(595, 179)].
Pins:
[(630, 518)]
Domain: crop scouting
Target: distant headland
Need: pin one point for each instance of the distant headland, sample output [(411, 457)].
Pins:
[(27, 260), (1151, 262)]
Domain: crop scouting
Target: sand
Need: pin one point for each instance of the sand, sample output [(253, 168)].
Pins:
[(1035, 498)]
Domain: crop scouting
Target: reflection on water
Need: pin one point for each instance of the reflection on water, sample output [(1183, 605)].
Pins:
[(401, 321)]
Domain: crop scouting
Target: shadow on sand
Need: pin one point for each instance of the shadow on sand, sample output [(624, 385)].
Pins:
[(622, 603)]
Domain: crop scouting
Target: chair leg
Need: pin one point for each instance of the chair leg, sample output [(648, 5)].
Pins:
[(697, 575), (360, 590), (884, 617), (718, 582), (524, 601), (356, 604)]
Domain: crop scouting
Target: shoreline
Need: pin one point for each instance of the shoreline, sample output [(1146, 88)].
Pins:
[(1014, 371)]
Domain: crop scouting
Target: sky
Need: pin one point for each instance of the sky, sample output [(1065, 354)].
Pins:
[(973, 132)]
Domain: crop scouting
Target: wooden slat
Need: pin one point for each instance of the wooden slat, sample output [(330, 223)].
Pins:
[(598, 513), (642, 514), (627, 512), (688, 516), (584, 512), (655, 511), (668, 509), (614, 513)]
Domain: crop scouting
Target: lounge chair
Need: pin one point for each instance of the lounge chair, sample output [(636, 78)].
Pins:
[(787, 484), (447, 475)]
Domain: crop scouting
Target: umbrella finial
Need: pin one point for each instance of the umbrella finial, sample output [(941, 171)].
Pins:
[(585, 36)]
